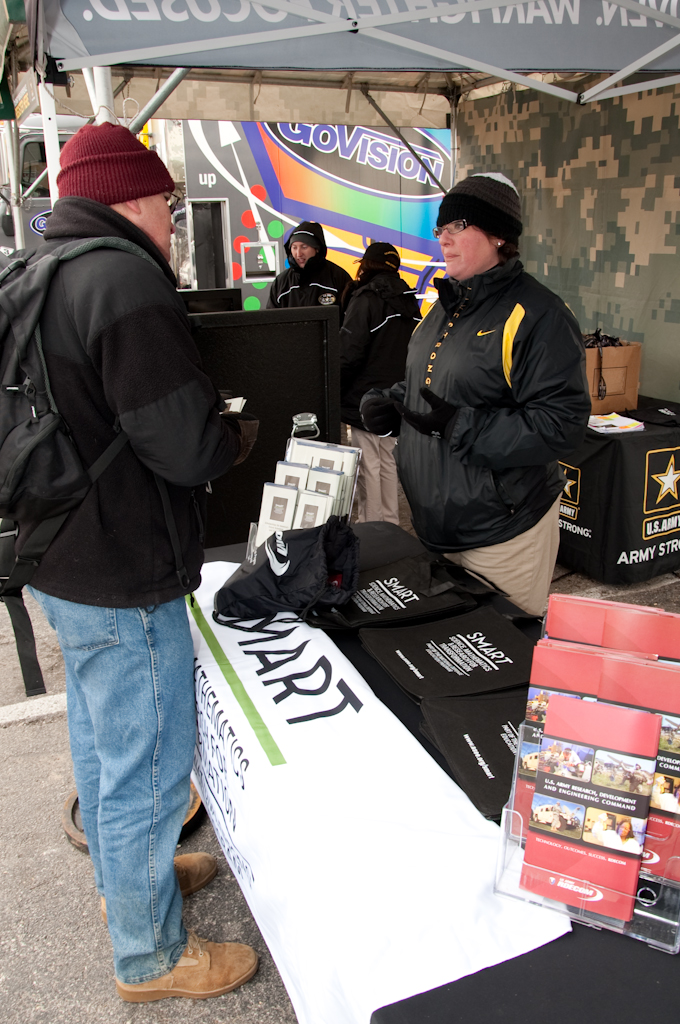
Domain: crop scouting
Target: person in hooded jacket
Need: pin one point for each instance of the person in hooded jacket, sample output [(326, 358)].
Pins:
[(495, 393), (311, 279), (380, 314)]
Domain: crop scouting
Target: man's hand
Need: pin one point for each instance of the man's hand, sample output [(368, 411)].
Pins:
[(246, 425), (379, 416), (438, 423)]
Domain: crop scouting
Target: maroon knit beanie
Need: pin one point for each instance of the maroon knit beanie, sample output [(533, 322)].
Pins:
[(107, 163)]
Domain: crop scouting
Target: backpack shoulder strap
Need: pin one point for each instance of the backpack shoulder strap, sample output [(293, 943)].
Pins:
[(22, 297)]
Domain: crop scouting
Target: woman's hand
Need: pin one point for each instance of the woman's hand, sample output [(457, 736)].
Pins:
[(380, 416), (438, 423)]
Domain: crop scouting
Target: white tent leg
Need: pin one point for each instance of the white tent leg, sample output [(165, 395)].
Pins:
[(51, 136), (454, 137), (11, 140), (104, 90), (91, 89)]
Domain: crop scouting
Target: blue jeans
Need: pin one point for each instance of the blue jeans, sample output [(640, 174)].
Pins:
[(132, 728)]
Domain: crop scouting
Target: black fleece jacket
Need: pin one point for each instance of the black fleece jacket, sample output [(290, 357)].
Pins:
[(118, 345)]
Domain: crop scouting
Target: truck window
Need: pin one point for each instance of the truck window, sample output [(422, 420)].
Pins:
[(34, 163)]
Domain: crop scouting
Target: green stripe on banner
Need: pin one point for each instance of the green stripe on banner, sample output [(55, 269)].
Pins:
[(264, 737)]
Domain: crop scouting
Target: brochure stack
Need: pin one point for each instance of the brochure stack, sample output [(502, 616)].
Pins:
[(316, 480), (582, 782)]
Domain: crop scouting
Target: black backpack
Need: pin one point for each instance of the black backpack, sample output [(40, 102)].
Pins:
[(42, 477)]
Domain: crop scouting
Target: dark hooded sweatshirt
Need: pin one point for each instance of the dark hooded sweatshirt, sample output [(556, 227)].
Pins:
[(380, 317), (118, 344), (318, 283)]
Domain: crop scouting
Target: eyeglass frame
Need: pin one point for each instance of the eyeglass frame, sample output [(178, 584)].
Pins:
[(173, 199), (438, 232)]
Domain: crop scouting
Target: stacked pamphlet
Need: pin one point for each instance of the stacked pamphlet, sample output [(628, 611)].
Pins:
[(628, 678), (612, 423), (589, 812), (315, 481), (612, 624)]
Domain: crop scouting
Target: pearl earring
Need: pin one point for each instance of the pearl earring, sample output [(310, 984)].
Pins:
[(499, 244)]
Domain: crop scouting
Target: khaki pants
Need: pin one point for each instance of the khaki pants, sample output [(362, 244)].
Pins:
[(521, 567), (377, 496)]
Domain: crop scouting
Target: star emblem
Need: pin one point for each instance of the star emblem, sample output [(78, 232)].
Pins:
[(668, 481), (568, 486)]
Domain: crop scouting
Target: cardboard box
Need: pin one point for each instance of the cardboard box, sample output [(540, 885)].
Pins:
[(621, 372)]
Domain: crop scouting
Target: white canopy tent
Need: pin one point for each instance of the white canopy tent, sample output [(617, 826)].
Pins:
[(532, 44), (497, 37)]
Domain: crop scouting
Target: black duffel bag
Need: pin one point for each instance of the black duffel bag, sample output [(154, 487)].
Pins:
[(295, 570)]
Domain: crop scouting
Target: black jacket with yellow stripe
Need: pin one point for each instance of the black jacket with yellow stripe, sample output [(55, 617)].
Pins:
[(508, 354)]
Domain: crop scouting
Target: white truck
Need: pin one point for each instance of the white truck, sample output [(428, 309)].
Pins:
[(36, 207)]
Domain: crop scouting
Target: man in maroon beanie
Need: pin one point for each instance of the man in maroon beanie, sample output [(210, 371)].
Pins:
[(113, 582)]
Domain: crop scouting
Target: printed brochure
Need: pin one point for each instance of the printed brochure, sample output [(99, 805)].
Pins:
[(595, 771)]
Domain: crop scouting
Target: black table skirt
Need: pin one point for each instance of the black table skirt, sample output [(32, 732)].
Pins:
[(619, 522)]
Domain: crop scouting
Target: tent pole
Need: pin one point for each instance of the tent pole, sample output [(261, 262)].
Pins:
[(630, 69), (158, 99), (626, 90), (91, 91), (454, 100), (104, 91), (408, 145), (51, 136), (12, 151)]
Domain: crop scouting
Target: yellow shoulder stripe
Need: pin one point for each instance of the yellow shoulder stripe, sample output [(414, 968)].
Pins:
[(509, 332)]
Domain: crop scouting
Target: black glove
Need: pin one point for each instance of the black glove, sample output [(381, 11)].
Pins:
[(438, 423), (246, 425), (379, 416)]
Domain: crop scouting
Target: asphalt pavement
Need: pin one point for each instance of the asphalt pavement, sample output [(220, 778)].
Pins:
[(55, 956)]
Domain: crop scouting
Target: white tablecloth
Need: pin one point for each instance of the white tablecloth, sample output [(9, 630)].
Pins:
[(367, 869)]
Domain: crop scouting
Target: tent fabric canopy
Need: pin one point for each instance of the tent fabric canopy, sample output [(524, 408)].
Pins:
[(497, 37)]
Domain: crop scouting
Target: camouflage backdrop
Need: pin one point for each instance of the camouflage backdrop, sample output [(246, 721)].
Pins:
[(601, 197)]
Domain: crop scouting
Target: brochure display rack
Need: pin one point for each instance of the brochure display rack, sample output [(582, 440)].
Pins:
[(316, 480), (592, 827), (656, 904)]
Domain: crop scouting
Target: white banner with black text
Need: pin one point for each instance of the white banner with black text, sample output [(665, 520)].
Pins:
[(368, 871)]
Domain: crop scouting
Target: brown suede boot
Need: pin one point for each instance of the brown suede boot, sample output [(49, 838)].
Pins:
[(193, 870), (206, 969)]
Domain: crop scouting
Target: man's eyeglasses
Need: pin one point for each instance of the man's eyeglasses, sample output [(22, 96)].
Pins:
[(172, 199), (454, 228)]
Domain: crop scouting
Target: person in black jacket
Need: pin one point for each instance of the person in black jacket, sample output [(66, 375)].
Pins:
[(495, 393), (311, 279), (120, 355), (380, 314)]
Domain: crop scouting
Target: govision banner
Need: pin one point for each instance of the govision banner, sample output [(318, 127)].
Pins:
[(361, 183), (539, 35), (367, 869)]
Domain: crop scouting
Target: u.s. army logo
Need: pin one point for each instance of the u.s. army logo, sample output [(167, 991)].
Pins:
[(569, 501), (662, 492)]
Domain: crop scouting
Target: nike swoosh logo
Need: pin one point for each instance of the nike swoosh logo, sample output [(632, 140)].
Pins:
[(278, 568), (481, 333)]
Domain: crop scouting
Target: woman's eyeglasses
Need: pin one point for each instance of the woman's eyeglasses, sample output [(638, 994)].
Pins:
[(454, 228), (172, 199)]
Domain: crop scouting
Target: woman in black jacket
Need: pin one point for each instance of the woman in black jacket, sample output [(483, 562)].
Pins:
[(380, 314), (494, 395)]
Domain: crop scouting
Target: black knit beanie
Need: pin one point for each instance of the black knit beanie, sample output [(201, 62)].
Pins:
[(489, 201)]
